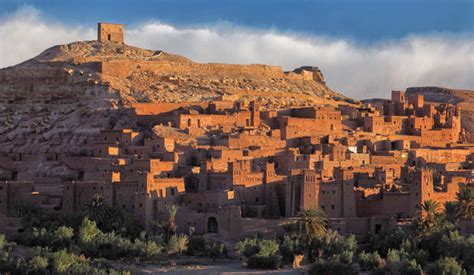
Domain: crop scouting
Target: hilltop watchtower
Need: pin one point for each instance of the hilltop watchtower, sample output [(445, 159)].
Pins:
[(107, 32)]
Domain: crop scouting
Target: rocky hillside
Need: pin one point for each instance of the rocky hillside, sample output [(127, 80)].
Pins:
[(58, 101), (462, 98)]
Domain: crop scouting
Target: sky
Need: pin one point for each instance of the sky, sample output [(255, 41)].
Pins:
[(365, 48)]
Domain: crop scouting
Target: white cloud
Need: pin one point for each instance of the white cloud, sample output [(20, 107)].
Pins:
[(360, 71)]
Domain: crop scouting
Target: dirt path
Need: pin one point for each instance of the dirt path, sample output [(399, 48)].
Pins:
[(221, 266)]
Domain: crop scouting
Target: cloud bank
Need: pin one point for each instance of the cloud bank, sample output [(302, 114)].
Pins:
[(360, 71)]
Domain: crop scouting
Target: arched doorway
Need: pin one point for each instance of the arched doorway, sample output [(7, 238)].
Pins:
[(212, 225)]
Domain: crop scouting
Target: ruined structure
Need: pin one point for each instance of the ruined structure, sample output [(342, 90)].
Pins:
[(107, 32), (238, 163)]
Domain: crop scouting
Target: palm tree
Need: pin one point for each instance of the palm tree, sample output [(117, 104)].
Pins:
[(182, 243), (451, 211), (172, 210), (312, 222), (465, 197), (430, 208), (95, 209)]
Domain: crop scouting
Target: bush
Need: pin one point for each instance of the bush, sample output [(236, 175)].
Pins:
[(411, 267), (147, 249), (332, 266), (88, 231), (9, 263), (178, 244), (197, 246), (369, 261), (388, 239), (333, 244), (200, 247), (38, 264), (447, 266), (265, 262), (268, 247), (290, 247), (247, 247), (217, 250)]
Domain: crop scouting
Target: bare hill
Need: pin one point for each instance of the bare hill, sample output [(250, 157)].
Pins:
[(59, 100)]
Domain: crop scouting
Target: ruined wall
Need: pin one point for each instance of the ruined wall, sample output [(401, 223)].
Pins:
[(123, 68)]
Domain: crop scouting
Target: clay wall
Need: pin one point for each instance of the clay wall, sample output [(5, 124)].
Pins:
[(291, 127), (125, 136), (77, 194)]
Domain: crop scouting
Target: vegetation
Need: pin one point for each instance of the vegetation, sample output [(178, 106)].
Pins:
[(90, 243), (430, 245), (93, 241)]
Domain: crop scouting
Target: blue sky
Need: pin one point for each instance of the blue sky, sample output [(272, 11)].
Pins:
[(361, 20), (365, 48)]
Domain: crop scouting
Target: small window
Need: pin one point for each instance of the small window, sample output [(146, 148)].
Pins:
[(109, 37)]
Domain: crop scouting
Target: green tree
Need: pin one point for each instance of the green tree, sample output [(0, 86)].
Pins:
[(312, 223), (88, 231), (370, 261), (447, 266), (465, 197), (62, 260), (38, 264)]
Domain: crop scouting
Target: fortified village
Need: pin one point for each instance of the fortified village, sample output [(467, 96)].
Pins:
[(238, 165)]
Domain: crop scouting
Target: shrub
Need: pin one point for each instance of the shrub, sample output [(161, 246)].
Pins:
[(268, 247), (38, 264), (290, 247), (411, 267), (332, 266), (178, 244), (8, 263), (247, 247), (388, 239), (447, 266), (369, 261), (197, 246), (63, 260), (88, 231), (216, 250), (265, 262)]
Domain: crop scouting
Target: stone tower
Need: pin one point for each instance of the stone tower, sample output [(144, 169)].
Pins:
[(107, 32)]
